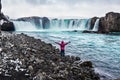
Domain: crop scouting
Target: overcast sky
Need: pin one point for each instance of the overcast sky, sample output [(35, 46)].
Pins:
[(59, 8)]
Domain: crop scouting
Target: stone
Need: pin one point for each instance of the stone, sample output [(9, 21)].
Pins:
[(93, 20), (9, 26), (110, 23), (86, 64), (87, 31)]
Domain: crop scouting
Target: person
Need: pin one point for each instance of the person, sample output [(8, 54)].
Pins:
[(62, 47)]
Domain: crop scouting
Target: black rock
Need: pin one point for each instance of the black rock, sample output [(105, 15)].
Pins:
[(9, 26)]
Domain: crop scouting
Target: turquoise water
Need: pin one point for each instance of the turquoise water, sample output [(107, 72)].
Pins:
[(103, 50)]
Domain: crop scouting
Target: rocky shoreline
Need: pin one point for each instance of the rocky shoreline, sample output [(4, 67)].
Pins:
[(26, 58)]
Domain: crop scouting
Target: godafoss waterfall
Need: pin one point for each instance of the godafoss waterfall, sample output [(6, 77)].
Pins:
[(53, 24), (102, 49), (94, 47)]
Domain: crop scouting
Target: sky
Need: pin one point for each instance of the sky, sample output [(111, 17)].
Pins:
[(59, 8)]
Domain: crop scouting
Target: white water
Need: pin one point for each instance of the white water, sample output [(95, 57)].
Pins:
[(54, 24), (89, 21), (102, 50), (96, 26), (24, 26)]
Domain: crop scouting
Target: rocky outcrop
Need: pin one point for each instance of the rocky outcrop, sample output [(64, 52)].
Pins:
[(93, 20), (7, 26), (21, 59), (110, 23), (107, 24)]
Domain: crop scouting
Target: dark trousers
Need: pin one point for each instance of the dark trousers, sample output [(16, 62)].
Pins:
[(62, 53)]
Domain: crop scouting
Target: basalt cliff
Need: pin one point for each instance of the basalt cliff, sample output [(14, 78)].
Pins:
[(109, 23)]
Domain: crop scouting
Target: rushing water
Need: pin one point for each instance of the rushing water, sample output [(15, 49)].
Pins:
[(102, 50)]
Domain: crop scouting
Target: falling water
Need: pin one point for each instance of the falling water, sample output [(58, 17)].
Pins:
[(54, 24), (96, 26)]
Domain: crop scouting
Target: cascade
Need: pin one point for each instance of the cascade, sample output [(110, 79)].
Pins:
[(96, 25), (24, 26), (41, 26), (54, 24), (89, 24)]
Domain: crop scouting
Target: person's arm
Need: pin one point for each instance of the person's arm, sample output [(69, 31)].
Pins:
[(57, 43), (67, 43)]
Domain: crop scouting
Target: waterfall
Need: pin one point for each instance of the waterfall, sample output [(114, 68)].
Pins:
[(89, 24), (55, 24), (96, 25), (24, 26), (83, 24), (41, 26), (71, 24), (52, 24)]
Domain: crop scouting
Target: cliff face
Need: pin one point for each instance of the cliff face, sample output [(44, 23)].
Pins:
[(110, 23), (93, 20), (5, 24)]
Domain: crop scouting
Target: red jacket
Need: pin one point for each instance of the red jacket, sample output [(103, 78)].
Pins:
[(62, 45)]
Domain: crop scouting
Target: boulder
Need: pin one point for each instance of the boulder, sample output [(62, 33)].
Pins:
[(86, 64), (8, 26)]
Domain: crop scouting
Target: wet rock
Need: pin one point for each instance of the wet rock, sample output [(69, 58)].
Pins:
[(93, 20), (86, 64), (87, 31), (30, 68), (8, 26), (77, 59)]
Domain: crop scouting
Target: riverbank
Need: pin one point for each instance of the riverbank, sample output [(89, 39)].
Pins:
[(26, 58)]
